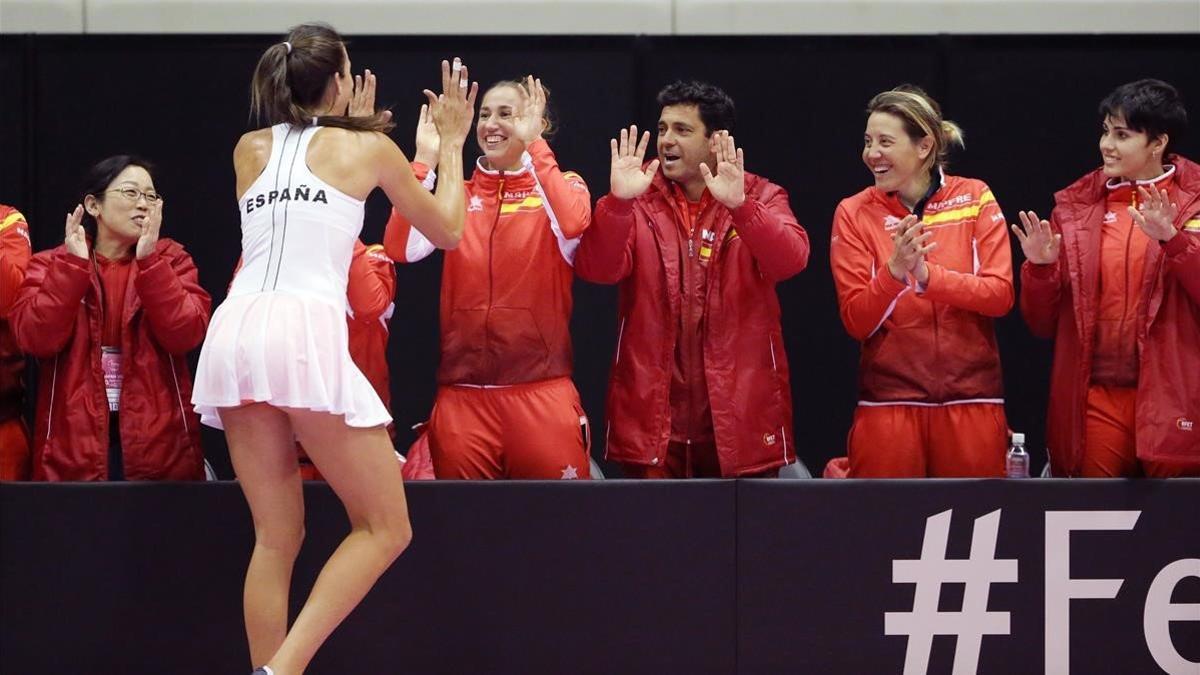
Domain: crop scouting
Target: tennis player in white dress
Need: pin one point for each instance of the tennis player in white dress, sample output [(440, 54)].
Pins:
[(276, 367)]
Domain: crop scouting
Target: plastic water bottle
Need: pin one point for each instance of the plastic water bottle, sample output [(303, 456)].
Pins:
[(1016, 463)]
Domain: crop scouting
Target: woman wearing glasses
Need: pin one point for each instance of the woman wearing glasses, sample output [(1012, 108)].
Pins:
[(111, 315), (276, 366)]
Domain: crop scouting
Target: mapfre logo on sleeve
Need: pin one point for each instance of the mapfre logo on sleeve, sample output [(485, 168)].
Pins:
[(1184, 424)]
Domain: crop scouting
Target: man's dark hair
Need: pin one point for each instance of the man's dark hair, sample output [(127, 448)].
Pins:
[(1150, 106), (715, 106)]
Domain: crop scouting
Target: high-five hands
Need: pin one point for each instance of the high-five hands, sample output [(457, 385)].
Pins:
[(150, 227), (626, 178), (1038, 242), (531, 119), (453, 110), (728, 186), (428, 142), (1155, 214), (76, 237), (362, 102)]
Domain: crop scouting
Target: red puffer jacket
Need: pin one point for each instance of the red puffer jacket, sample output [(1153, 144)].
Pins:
[(1060, 300), (754, 247), (14, 258), (57, 318)]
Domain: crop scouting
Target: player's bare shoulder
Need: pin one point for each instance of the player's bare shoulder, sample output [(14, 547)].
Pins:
[(253, 145), (250, 156)]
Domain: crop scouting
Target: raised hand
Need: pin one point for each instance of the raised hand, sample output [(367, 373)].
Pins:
[(76, 237), (728, 186), (428, 140), (1155, 213), (1039, 243), (531, 120), (362, 103), (454, 109), (910, 248), (150, 227), (626, 178)]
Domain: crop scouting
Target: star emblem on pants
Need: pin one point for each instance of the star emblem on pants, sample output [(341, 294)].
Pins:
[(570, 473)]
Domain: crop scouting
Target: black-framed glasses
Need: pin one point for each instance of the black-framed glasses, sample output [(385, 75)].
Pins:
[(133, 195)]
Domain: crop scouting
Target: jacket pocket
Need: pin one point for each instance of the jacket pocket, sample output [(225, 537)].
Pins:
[(515, 340)]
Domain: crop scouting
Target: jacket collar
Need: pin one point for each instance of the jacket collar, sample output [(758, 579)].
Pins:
[(1168, 173), (1091, 187), (892, 199), (486, 177)]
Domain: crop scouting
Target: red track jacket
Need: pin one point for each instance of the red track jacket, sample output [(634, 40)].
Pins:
[(755, 246), (506, 289), (934, 345), (14, 258)]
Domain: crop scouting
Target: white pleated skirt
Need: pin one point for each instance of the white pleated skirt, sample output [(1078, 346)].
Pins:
[(286, 350)]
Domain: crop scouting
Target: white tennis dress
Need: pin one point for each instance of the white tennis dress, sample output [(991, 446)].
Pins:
[(280, 336)]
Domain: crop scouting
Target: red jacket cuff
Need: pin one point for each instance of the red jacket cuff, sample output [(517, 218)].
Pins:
[(889, 282), (149, 261), (618, 206), (77, 262), (1175, 245), (743, 213), (538, 147), (1042, 272)]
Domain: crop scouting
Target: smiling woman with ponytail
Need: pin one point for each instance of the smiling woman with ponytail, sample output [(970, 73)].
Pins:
[(276, 367), (922, 267)]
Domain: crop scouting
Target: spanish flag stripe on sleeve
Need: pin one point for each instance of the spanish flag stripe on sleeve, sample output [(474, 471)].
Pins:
[(1192, 225), (986, 197), (12, 218), (952, 215), (530, 202)]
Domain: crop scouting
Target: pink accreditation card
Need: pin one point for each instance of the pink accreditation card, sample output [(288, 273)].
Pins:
[(110, 363)]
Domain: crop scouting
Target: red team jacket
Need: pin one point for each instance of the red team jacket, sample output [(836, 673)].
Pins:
[(57, 318), (15, 252), (933, 345), (506, 289), (370, 291), (755, 246), (1060, 301)]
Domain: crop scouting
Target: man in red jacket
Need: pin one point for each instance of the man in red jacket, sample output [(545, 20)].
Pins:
[(699, 384), (14, 258)]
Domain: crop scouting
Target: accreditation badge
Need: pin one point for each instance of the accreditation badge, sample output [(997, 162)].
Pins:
[(110, 364)]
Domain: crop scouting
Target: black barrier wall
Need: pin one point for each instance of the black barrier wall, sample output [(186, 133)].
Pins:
[(1027, 104), (655, 578)]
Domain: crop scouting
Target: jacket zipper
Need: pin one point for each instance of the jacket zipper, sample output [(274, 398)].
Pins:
[(107, 406), (620, 334), (491, 264), (1128, 278), (178, 395), (686, 296), (53, 387)]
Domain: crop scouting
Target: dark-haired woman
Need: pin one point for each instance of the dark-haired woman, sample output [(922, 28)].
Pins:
[(111, 315), (1114, 278), (506, 406), (922, 266), (276, 367)]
